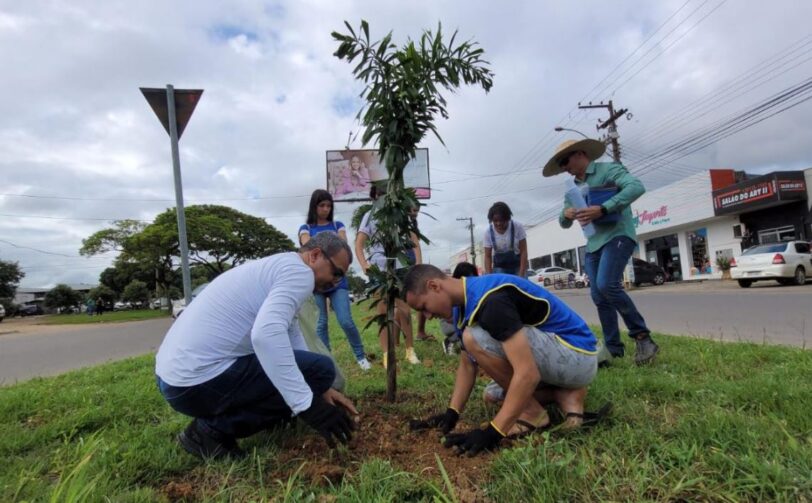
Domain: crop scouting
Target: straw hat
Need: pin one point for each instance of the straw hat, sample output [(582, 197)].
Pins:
[(593, 148)]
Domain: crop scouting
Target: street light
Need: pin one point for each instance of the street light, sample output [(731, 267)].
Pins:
[(559, 129)]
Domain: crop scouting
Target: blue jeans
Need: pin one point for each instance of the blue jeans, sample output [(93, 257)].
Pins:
[(505, 270), (242, 400), (340, 300), (605, 269)]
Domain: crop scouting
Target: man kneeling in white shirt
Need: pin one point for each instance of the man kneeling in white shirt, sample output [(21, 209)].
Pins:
[(236, 360)]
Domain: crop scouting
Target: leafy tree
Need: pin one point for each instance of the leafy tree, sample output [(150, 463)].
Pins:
[(112, 239), (219, 238), (10, 276), (122, 273), (62, 297), (403, 99), (136, 293), (357, 284), (105, 293)]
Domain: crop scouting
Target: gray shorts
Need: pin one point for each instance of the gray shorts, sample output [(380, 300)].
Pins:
[(558, 364)]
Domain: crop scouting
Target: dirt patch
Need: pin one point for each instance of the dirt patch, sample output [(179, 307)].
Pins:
[(383, 434)]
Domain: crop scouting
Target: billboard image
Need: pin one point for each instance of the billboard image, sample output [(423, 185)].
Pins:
[(350, 173)]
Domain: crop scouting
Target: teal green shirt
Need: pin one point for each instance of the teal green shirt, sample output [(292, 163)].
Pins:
[(629, 189)]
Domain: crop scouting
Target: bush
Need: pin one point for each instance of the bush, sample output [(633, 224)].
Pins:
[(62, 297), (136, 293), (723, 262)]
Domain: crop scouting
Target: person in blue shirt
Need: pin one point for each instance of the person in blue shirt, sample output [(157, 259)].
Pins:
[(523, 337), (320, 219)]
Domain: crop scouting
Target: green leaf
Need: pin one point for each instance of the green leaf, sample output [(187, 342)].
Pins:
[(365, 28)]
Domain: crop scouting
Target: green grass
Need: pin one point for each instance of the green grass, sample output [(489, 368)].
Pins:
[(707, 422), (107, 317)]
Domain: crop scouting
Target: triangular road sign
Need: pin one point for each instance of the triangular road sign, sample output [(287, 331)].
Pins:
[(185, 103)]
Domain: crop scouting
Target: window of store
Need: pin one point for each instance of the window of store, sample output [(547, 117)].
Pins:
[(565, 259), (698, 245), (776, 235), (664, 251), (541, 262)]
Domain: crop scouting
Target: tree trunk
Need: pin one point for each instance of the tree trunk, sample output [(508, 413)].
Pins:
[(391, 337)]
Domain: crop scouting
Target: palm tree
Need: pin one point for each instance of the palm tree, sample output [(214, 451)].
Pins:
[(403, 98)]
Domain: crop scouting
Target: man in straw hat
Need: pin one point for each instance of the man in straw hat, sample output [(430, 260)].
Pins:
[(612, 190)]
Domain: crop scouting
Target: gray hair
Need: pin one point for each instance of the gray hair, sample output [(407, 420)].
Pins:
[(328, 242)]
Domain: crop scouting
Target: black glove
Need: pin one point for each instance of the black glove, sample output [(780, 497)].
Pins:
[(445, 421), (330, 421), (475, 441)]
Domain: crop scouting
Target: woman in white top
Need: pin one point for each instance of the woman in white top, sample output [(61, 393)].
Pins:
[(374, 255), (505, 243)]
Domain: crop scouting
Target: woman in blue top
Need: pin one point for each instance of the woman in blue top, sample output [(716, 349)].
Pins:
[(320, 219)]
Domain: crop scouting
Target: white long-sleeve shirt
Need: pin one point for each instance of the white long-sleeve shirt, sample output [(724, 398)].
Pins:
[(249, 309)]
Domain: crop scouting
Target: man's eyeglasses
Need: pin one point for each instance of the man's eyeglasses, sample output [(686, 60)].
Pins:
[(338, 273)]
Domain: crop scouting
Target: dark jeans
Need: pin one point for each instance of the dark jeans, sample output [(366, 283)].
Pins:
[(605, 269), (242, 400)]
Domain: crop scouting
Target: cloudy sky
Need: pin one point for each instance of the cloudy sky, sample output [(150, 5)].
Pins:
[(79, 146)]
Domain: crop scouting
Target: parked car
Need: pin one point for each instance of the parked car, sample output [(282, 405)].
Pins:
[(788, 263), (2, 312), (548, 275), (180, 304), (647, 272), (122, 306), (30, 310)]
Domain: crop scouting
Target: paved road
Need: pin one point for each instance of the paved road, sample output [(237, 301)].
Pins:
[(718, 310), (39, 350)]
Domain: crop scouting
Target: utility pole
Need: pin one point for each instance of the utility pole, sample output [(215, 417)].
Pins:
[(610, 124), (470, 228), (612, 136)]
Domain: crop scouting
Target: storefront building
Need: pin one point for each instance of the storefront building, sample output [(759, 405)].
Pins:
[(685, 226)]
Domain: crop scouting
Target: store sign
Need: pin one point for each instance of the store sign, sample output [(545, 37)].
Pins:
[(762, 192), (656, 217), (744, 195)]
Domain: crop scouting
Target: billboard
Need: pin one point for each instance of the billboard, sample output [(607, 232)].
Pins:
[(350, 173)]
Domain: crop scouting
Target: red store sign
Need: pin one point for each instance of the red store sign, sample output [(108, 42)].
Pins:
[(760, 192)]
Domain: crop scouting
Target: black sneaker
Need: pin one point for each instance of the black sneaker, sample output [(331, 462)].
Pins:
[(202, 444), (647, 349)]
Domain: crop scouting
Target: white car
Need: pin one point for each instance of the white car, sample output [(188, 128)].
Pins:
[(549, 275), (180, 304), (2, 312), (788, 263)]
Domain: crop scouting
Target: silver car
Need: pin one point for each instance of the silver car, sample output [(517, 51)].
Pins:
[(788, 263)]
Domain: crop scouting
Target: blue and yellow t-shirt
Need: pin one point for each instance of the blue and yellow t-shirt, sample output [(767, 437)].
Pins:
[(503, 303)]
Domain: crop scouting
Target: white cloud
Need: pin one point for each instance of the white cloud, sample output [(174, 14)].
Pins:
[(245, 47)]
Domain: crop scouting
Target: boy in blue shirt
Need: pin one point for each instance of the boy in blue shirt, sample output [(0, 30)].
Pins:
[(524, 338)]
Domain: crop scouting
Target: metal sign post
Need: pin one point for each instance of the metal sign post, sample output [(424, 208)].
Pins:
[(174, 109)]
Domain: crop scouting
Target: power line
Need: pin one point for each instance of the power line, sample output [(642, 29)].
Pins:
[(756, 76), (670, 45), (547, 140), (732, 124), (38, 250)]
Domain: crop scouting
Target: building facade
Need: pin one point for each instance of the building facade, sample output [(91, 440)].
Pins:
[(685, 226)]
